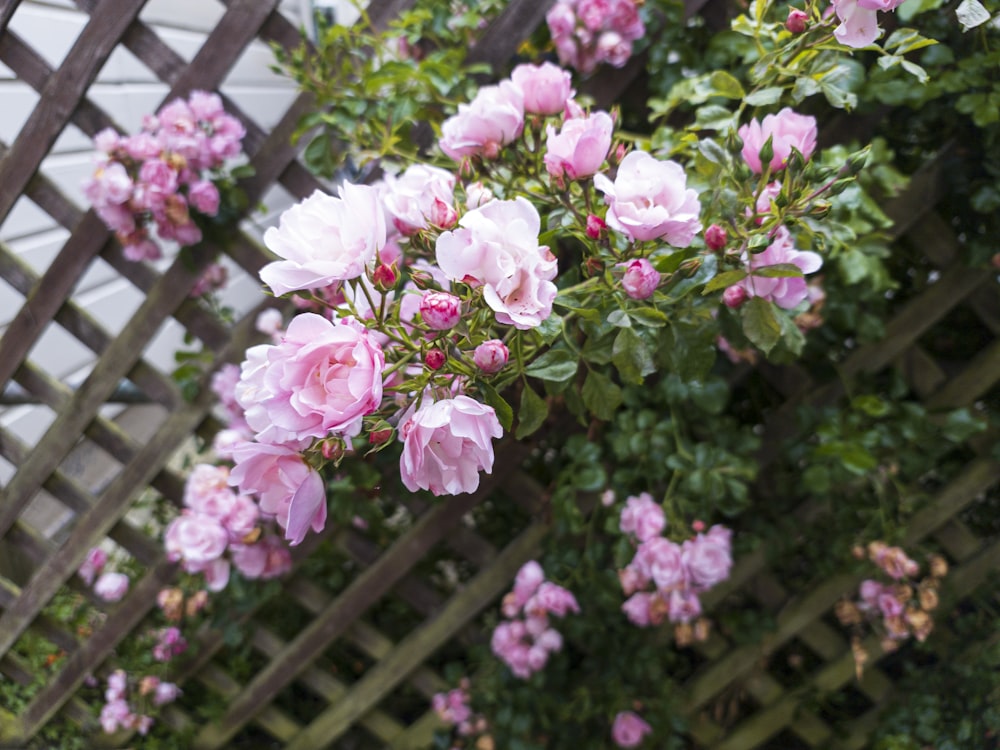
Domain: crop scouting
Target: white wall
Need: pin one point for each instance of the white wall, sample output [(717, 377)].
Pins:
[(127, 90)]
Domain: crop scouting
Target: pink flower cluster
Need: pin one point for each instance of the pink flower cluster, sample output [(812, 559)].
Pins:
[(629, 729), (117, 713), (677, 573), (216, 520), (169, 643), (859, 20), (525, 640), (454, 710), (163, 173), (589, 32), (109, 586)]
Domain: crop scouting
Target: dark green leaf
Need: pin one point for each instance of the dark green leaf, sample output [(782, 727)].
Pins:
[(725, 279), (556, 365), (532, 413), (601, 395), (760, 324)]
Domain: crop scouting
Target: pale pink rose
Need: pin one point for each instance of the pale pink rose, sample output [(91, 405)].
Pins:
[(640, 279), (683, 606), (625, 19), (561, 19), (289, 489), (884, 5), (165, 692), (580, 148), (497, 247), (494, 118), (786, 129), (613, 49), (323, 377), (270, 321), (107, 140), (636, 608), (631, 579), (546, 87), (205, 105), (786, 292), (628, 729), (110, 184), (594, 13), (527, 581), (195, 538), (660, 560), (477, 195), (870, 592), (491, 356), (446, 444), (249, 559), (858, 25), (888, 604), (204, 196), (204, 481), (643, 517), (115, 714), (440, 311), (552, 599), (241, 519), (411, 199), (93, 564), (325, 240), (649, 200), (708, 558), (117, 682), (111, 587)]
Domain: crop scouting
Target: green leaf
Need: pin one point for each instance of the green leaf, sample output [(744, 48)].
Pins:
[(725, 279), (649, 317), (724, 84), (550, 328), (601, 395), (534, 409), (556, 365), (762, 98), (632, 356), (713, 151), (619, 319), (779, 271), (505, 413), (760, 324)]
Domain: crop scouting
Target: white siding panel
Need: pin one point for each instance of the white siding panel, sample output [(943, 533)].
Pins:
[(27, 423), (50, 31), (263, 105), (112, 304), (24, 219), (197, 15), (69, 172), (19, 99), (59, 353)]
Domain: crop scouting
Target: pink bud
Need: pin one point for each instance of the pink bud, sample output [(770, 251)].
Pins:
[(377, 437), (435, 359), (385, 277), (734, 296), (640, 279), (440, 310), (332, 449), (443, 215), (715, 237), (796, 21), (595, 225), (491, 356), (698, 526)]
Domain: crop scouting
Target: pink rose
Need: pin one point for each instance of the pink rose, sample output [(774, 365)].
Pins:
[(786, 129), (636, 608), (787, 292), (613, 49), (629, 729), (552, 599), (165, 692), (545, 87), (413, 197), (323, 377), (708, 558), (527, 581), (93, 564), (660, 560), (580, 148), (204, 196), (494, 118), (325, 240), (289, 489), (888, 604), (491, 356), (626, 21), (649, 200), (115, 714), (446, 444), (561, 19), (195, 538), (640, 279), (111, 587), (440, 311), (498, 248), (858, 25), (683, 606), (643, 517)]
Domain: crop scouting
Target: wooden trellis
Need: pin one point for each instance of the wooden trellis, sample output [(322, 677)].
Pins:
[(364, 708)]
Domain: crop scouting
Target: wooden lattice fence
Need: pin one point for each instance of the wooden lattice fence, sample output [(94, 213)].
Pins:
[(376, 708)]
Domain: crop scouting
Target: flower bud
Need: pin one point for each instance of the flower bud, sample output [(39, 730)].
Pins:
[(440, 310), (477, 195), (698, 526), (702, 628), (385, 276), (380, 435), (683, 634), (435, 359), (491, 356), (640, 279), (443, 215), (595, 225), (716, 237), (332, 449), (196, 603), (796, 21), (938, 566), (734, 296), (928, 599)]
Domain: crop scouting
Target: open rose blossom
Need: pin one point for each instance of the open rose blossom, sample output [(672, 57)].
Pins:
[(649, 200), (497, 247), (579, 149), (322, 378), (787, 292), (289, 489), (412, 199), (486, 124), (628, 729), (324, 240), (446, 444), (787, 129), (546, 87)]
